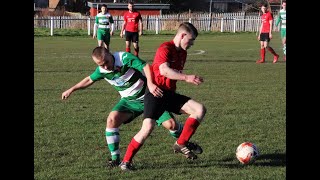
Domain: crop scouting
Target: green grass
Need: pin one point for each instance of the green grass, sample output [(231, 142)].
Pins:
[(245, 102)]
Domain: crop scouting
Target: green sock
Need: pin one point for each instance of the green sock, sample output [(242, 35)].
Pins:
[(112, 137)]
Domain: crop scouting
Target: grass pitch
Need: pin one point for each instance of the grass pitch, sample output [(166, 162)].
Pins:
[(245, 102)]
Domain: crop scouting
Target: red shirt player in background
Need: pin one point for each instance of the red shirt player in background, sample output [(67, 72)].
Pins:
[(167, 69), (265, 34), (131, 20)]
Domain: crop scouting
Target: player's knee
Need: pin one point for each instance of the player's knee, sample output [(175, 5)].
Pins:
[(170, 124), (147, 126), (201, 112), (147, 131), (113, 121)]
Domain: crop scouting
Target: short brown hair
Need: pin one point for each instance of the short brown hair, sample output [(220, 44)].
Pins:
[(189, 28), (100, 52)]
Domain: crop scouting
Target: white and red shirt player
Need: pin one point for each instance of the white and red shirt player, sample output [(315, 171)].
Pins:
[(265, 18), (132, 20)]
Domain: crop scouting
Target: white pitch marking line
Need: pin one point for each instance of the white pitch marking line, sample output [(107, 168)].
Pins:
[(197, 52)]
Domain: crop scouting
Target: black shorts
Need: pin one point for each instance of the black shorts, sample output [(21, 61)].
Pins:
[(170, 101), (132, 36), (264, 37)]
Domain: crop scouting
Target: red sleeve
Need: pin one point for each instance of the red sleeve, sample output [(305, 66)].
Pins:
[(162, 56)]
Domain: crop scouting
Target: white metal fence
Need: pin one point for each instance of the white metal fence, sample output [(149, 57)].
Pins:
[(223, 22)]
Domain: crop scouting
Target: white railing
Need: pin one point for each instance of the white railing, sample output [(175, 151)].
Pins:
[(223, 22)]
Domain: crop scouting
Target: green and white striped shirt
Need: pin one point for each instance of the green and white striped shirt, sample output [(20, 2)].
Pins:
[(127, 77), (104, 20), (282, 18)]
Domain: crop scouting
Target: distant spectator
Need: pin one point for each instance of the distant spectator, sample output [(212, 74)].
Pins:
[(102, 27), (282, 18), (131, 20), (265, 34)]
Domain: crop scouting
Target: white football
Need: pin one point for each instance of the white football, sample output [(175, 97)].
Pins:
[(247, 152)]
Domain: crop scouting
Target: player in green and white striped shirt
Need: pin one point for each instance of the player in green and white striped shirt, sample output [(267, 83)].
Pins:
[(282, 18), (102, 25), (125, 72)]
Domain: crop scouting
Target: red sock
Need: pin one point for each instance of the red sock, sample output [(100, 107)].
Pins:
[(263, 53), (128, 49), (271, 50), (189, 129), (136, 52), (133, 148)]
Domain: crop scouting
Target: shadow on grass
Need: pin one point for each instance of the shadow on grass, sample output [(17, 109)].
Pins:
[(221, 60), (273, 160), (189, 164), (234, 60)]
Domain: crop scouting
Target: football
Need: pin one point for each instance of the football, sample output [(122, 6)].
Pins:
[(247, 152)]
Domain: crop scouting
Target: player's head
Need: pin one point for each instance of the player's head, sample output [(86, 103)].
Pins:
[(130, 6), (103, 58), (284, 5), (103, 8), (186, 35), (264, 7)]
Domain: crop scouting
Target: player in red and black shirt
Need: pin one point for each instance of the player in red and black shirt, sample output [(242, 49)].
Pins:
[(132, 24), (265, 34), (167, 69)]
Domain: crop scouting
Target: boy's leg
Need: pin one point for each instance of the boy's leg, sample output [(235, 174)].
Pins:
[(122, 113), (196, 112)]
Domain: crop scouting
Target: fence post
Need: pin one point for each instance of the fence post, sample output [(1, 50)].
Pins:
[(60, 22), (234, 25), (116, 23), (89, 26), (51, 26), (221, 30), (210, 19), (157, 25), (148, 21)]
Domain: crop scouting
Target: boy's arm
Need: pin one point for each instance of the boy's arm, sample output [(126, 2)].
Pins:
[(153, 88), (170, 73), (278, 20), (140, 27), (122, 27), (112, 25), (95, 27), (86, 82), (271, 26), (260, 29)]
